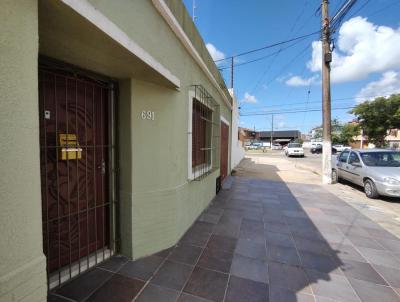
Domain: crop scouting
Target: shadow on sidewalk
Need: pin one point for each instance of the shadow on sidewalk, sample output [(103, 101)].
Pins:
[(261, 240)]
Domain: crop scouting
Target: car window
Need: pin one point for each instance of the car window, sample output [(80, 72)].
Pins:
[(381, 159), (294, 146), (343, 156), (353, 158)]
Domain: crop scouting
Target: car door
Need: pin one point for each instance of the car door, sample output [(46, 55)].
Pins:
[(342, 163), (353, 168)]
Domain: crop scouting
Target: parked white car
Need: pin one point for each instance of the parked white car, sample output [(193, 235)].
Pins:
[(294, 149), (340, 148)]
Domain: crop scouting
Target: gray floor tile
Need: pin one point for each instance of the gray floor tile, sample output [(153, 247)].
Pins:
[(332, 286), (226, 244), (114, 263), (172, 275), (249, 268), (285, 295), (184, 253), (244, 290), (189, 298), (369, 292), (141, 269), (217, 260), (344, 251), (248, 248), (391, 245), (279, 239), (319, 262), (207, 284), (80, 288), (362, 271), (210, 218), (289, 277), (283, 254), (390, 274), (154, 293), (314, 246), (118, 289), (380, 257), (360, 241)]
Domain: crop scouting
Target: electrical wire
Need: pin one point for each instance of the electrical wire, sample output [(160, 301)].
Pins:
[(294, 111), (269, 46)]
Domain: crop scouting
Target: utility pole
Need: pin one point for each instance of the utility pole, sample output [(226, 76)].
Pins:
[(326, 96), (232, 59), (194, 17), (272, 130)]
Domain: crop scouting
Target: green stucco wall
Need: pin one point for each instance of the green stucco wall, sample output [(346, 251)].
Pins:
[(22, 263), (162, 203)]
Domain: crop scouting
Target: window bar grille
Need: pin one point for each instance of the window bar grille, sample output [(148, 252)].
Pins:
[(77, 179), (206, 147)]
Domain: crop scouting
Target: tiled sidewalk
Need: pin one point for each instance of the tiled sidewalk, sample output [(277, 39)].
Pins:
[(259, 241)]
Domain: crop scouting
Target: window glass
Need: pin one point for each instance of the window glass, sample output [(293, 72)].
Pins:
[(353, 158), (381, 159), (343, 156)]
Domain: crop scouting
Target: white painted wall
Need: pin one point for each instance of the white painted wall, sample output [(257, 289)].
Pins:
[(237, 150)]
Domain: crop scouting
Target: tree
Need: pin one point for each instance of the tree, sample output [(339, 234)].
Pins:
[(348, 132), (378, 116), (336, 127)]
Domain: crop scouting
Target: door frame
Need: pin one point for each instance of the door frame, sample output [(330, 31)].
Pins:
[(47, 63), (226, 122)]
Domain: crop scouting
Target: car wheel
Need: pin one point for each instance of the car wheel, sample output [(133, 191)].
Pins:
[(335, 177), (370, 189)]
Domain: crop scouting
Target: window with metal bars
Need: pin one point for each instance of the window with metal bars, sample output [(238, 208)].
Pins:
[(201, 134), (204, 133)]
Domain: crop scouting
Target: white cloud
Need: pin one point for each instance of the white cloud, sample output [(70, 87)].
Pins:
[(299, 81), (214, 52), (388, 84), (248, 98), (363, 48)]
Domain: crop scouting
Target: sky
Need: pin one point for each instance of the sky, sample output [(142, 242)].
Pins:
[(366, 56)]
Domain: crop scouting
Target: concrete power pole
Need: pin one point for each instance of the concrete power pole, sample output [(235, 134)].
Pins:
[(326, 97), (194, 17), (272, 130), (232, 62)]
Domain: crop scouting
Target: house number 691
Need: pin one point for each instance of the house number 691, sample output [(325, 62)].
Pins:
[(148, 115)]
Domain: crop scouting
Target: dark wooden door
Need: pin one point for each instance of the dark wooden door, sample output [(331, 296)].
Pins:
[(224, 150), (75, 169)]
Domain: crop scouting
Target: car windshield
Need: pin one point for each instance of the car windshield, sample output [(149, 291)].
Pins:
[(381, 159), (294, 146)]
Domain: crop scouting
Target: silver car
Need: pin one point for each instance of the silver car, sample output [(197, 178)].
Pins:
[(377, 170)]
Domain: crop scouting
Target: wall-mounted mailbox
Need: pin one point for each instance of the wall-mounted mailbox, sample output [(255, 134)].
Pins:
[(69, 147)]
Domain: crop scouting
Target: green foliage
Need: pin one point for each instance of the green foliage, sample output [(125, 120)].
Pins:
[(378, 116), (349, 131)]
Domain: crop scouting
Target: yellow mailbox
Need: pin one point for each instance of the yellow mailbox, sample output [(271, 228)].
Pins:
[(69, 147)]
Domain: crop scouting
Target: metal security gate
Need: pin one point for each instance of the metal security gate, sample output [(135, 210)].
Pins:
[(76, 153), (224, 150)]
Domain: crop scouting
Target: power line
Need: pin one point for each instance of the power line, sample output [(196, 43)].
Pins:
[(314, 102), (384, 8), (269, 46), (358, 10), (263, 57), (282, 70), (295, 111)]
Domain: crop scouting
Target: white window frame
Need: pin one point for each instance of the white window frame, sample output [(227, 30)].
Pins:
[(193, 172)]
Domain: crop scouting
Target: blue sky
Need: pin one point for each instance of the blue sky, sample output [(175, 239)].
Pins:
[(366, 58)]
